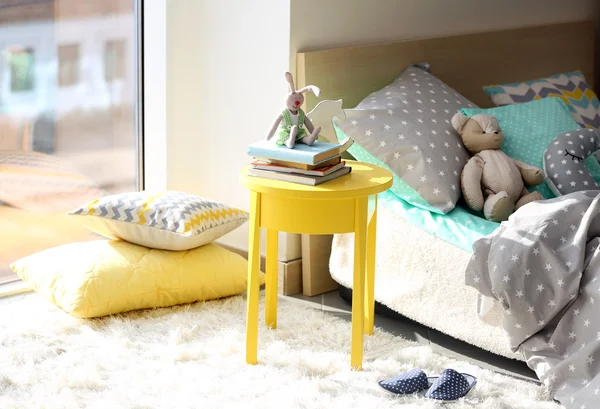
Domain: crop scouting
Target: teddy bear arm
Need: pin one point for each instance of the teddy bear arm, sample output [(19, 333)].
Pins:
[(471, 183), (531, 175)]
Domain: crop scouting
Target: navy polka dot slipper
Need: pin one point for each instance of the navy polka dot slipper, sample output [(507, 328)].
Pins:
[(406, 384), (451, 385)]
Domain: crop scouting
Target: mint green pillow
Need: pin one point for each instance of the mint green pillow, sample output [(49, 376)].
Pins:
[(529, 128)]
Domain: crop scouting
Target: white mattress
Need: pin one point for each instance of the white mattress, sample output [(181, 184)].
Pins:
[(422, 277)]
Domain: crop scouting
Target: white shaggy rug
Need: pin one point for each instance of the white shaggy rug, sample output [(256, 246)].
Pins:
[(193, 357)]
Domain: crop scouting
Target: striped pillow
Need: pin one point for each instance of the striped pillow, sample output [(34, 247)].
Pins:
[(36, 181), (165, 220), (571, 87)]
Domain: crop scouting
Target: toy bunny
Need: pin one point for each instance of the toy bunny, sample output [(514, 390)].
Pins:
[(293, 130)]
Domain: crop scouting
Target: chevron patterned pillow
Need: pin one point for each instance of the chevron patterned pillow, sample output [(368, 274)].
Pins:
[(571, 87), (167, 220)]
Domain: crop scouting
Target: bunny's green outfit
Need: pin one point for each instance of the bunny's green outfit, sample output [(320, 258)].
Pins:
[(287, 123)]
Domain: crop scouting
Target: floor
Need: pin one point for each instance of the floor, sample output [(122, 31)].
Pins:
[(332, 303)]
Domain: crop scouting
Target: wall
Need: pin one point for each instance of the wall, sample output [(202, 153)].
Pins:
[(320, 24), (225, 84)]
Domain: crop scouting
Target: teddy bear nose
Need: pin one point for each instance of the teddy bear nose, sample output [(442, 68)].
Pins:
[(297, 103)]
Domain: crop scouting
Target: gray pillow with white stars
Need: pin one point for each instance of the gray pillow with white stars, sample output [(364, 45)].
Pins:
[(406, 127), (564, 161)]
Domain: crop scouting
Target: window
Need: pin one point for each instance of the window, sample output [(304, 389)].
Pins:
[(114, 60), (22, 65), (68, 65), (68, 112)]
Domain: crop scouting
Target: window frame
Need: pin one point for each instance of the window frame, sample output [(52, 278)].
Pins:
[(152, 94)]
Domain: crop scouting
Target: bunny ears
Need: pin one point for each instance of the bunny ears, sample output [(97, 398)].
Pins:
[(290, 80), (315, 90)]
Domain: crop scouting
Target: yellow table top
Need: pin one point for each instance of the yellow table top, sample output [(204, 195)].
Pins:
[(364, 180)]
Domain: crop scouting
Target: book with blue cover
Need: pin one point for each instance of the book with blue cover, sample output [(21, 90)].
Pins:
[(300, 153)]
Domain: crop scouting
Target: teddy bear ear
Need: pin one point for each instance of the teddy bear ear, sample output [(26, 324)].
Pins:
[(458, 121), (486, 122)]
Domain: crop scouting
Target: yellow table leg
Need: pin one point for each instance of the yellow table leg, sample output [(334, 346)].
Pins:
[(370, 274), (271, 280), (358, 293), (253, 280)]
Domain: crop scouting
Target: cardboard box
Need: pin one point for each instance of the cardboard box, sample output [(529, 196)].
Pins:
[(289, 281), (316, 278)]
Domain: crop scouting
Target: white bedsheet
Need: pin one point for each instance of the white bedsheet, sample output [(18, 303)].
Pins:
[(422, 277)]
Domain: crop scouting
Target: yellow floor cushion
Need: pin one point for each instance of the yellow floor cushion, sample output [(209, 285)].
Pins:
[(97, 278)]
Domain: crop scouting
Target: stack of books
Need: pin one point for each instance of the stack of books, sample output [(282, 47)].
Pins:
[(307, 165)]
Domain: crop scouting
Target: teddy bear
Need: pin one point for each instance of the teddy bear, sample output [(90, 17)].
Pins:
[(491, 181)]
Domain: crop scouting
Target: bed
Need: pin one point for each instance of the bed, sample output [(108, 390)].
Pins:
[(417, 269)]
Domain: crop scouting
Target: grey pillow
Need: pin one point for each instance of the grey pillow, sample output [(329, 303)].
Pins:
[(565, 161), (405, 127)]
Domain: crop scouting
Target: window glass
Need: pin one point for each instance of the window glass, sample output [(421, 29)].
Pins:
[(67, 118)]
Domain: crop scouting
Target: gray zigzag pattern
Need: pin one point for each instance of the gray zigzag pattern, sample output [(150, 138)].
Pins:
[(170, 212), (116, 209), (129, 217)]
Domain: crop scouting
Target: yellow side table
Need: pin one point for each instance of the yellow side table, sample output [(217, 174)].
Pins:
[(344, 205)]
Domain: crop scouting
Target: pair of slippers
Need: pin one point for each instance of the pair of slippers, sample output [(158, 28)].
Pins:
[(450, 385)]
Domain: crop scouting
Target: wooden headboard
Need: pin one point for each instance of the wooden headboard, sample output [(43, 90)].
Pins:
[(464, 62)]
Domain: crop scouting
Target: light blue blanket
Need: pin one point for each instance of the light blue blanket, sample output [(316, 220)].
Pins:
[(459, 227)]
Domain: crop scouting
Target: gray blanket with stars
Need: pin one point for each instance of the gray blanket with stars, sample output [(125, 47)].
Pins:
[(543, 268)]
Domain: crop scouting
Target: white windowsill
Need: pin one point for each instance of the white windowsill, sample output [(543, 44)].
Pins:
[(18, 287)]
